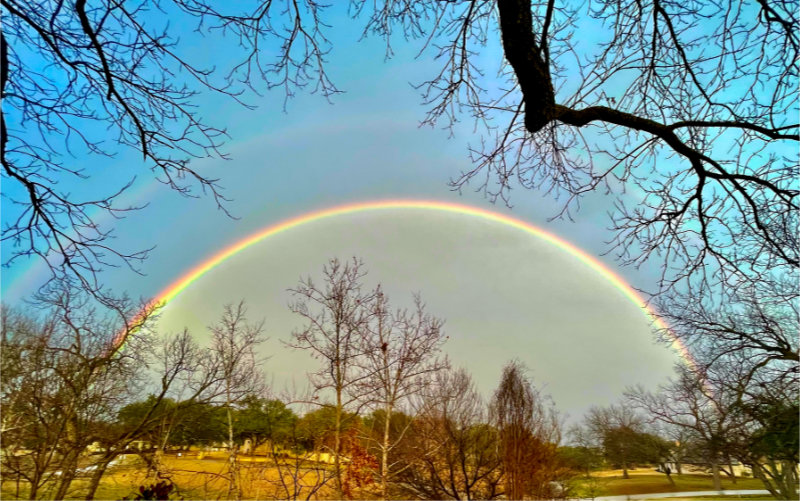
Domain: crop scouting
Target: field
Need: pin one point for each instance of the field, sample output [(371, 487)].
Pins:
[(201, 478), (194, 478), (611, 483), (751, 497)]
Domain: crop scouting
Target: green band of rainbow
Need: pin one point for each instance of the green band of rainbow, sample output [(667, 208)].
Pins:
[(169, 293)]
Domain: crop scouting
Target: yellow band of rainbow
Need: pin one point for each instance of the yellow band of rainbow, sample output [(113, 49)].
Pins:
[(176, 287)]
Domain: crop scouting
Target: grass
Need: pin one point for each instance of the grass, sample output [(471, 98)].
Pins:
[(749, 497), (201, 479), (612, 484), (194, 479)]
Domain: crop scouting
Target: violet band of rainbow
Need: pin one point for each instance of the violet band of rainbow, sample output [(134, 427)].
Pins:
[(176, 287)]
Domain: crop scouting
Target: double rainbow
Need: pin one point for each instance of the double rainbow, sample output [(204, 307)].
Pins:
[(188, 278)]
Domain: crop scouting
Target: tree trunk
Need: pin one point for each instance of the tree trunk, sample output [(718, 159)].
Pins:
[(788, 484), (758, 472), (97, 475), (233, 485), (733, 473), (156, 461), (34, 491), (337, 445), (69, 463), (68, 467), (385, 454), (715, 473)]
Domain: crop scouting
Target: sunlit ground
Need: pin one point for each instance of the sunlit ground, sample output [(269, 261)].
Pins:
[(201, 479)]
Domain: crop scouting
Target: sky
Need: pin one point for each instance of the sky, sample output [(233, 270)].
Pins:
[(503, 293)]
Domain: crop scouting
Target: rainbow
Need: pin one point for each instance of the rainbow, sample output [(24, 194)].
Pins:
[(188, 278)]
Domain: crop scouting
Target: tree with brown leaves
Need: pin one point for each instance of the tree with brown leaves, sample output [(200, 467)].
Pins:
[(529, 434)]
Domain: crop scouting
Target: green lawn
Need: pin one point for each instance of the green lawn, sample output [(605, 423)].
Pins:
[(647, 483)]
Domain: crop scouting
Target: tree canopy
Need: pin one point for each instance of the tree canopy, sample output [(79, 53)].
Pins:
[(691, 105)]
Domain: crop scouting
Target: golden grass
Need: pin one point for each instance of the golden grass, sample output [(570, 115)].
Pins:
[(197, 478), (194, 479)]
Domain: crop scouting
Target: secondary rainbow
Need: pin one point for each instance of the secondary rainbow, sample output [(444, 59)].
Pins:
[(188, 278)]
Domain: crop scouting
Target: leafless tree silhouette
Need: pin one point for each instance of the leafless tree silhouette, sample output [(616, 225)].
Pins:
[(64, 378), (756, 323), (690, 108), (234, 341), (84, 80), (336, 315), (728, 414), (402, 353), (453, 451)]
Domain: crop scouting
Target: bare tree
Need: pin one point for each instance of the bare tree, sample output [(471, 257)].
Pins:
[(709, 411), (757, 321), (299, 473), (700, 123), (692, 105), (765, 397), (452, 453), (616, 430), (29, 436), (529, 435), (176, 367), (233, 344), (336, 314), (746, 352), (772, 448), (710, 158), (79, 77), (402, 352), (67, 377), (64, 377)]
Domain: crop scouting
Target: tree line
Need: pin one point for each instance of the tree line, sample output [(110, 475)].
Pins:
[(385, 405)]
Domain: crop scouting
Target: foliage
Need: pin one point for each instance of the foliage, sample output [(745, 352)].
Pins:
[(316, 429), (158, 490), (198, 424), (529, 432), (620, 433), (189, 423), (778, 435), (359, 473), (624, 445), (261, 420), (582, 459), (374, 423)]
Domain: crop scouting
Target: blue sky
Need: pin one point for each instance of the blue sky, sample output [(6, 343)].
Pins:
[(365, 145)]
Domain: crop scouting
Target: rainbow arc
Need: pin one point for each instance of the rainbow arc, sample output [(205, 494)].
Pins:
[(188, 278)]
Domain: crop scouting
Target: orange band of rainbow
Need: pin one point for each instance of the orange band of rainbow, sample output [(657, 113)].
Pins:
[(169, 293)]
